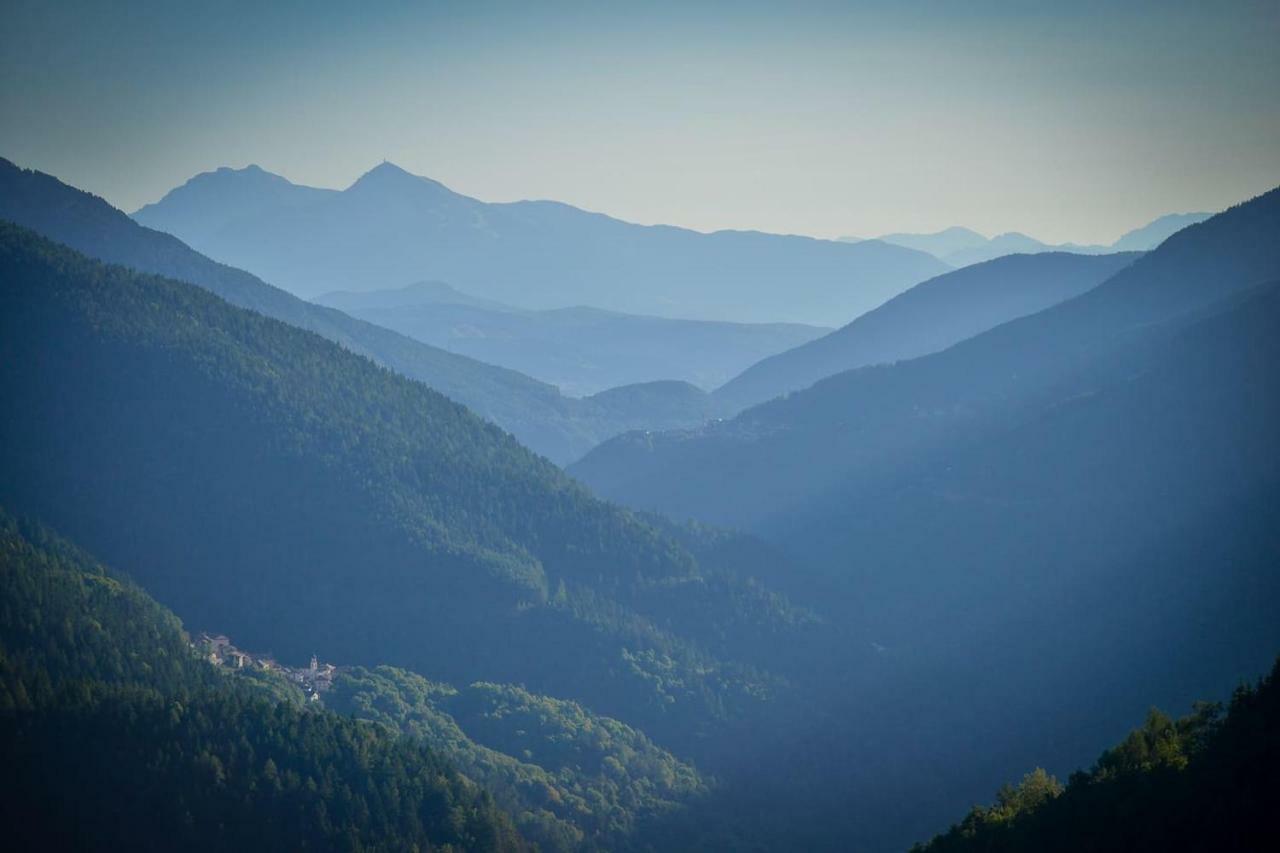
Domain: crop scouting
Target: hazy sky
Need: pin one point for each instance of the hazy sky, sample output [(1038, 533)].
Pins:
[(817, 118)]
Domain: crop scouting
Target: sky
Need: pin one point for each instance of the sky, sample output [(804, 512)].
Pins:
[(1070, 122)]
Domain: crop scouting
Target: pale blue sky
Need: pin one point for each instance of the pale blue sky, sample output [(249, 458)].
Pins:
[(816, 118)]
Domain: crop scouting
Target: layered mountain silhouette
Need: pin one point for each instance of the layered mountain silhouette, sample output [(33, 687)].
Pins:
[(413, 295), (939, 244), (391, 228), (263, 481), (559, 427), (1012, 365), (963, 246), (985, 524), (929, 317), (1156, 232), (1081, 503), (579, 350)]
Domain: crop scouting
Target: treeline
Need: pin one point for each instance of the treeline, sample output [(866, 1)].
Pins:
[(1204, 781), (115, 735)]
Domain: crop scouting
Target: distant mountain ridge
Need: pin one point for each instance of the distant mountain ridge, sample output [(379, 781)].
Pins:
[(1082, 502), (939, 244), (1228, 253), (580, 350), (412, 295), (259, 478), (963, 246), (213, 198), (557, 426), (929, 317), (1157, 231), (391, 227)]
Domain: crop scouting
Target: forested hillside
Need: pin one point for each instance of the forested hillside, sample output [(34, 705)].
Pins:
[(270, 484), (1201, 782), (115, 736), (267, 484), (572, 779), (535, 412), (383, 512)]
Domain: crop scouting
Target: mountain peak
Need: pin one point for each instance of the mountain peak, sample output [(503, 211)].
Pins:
[(211, 199), (387, 168), (252, 172), (388, 174), (251, 169), (230, 179)]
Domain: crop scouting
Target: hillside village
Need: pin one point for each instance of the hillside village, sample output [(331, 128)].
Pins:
[(218, 650)]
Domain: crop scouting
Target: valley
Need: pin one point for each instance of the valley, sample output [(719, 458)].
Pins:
[(472, 427)]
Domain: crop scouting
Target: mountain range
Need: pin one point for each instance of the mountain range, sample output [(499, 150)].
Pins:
[(963, 246), (391, 228), (985, 524), (1204, 263), (1075, 504), (264, 482), (557, 426), (929, 317), (580, 350)]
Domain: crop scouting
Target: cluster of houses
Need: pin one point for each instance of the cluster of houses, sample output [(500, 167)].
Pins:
[(219, 651)]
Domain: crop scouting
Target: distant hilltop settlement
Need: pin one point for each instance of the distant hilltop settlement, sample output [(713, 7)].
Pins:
[(218, 650)]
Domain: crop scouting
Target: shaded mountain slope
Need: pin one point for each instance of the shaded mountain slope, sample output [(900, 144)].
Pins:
[(390, 228), (579, 350), (1044, 529), (115, 736), (929, 317), (536, 413), (1201, 782), (266, 482), (574, 780), (879, 417), (571, 778)]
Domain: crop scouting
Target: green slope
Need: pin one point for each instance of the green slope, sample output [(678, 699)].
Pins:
[(114, 735), (268, 484), (1202, 782), (572, 779)]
